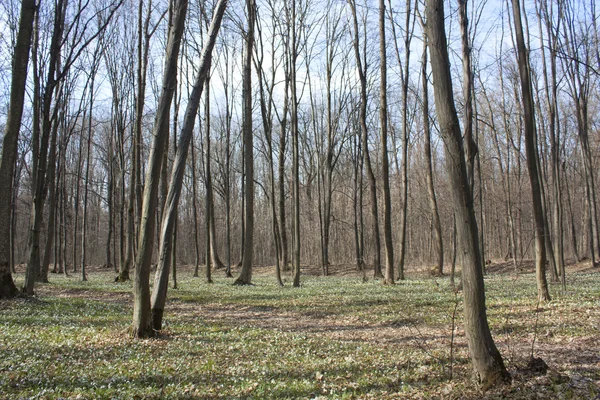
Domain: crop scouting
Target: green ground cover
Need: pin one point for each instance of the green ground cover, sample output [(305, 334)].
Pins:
[(334, 337)]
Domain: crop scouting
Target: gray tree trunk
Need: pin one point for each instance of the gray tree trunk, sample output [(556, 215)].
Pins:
[(487, 361), (365, 145), (532, 156), (385, 163), (245, 277), (437, 225), (10, 141), (142, 324), (159, 293)]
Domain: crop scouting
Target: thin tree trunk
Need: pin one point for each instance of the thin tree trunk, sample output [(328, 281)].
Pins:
[(285, 260), (195, 212), (210, 220), (362, 71), (44, 267), (435, 215), (470, 146), (86, 188), (110, 201), (532, 156), (385, 164), (574, 248)]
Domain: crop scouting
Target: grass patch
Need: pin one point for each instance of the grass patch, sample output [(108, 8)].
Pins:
[(334, 337)]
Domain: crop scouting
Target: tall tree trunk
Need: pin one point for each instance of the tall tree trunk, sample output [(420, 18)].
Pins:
[(295, 147), (487, 361), (385, 164), (43, 275), (86, 187), (159, 293), (551, 88), (470, 146), (532, 156), (285, 258), (210, 219), (195, 212), (245, 277), (266, 113), (142, 324), (210, 202), (356, 205), (41, 152), (10, 141), (362, 72), (435, 215), (409, 23), (110, 201)]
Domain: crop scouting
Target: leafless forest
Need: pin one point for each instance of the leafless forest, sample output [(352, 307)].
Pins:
[(294, 133), (102, 93)]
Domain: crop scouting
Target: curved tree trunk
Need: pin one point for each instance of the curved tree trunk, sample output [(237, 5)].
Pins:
[(159, 293), (142, 324)]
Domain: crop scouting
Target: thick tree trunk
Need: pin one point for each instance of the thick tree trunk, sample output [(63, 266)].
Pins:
[(10, 141), (487, 361)]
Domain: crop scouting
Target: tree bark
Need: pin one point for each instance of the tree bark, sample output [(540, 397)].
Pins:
[(245, 277), (435, 215), (10, 142), (487, 361), (385, 164), (532, 156), (142, 324), (365, 144)]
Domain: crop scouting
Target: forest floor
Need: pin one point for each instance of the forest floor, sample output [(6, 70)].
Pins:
[(335, 337)]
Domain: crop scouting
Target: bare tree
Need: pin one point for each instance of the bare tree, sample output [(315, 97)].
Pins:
[(245, 277), (142, 324), (532, 156), (385, 164), (487, 361), (362, 77), (435, 215), (176, 181), (10, 142)]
